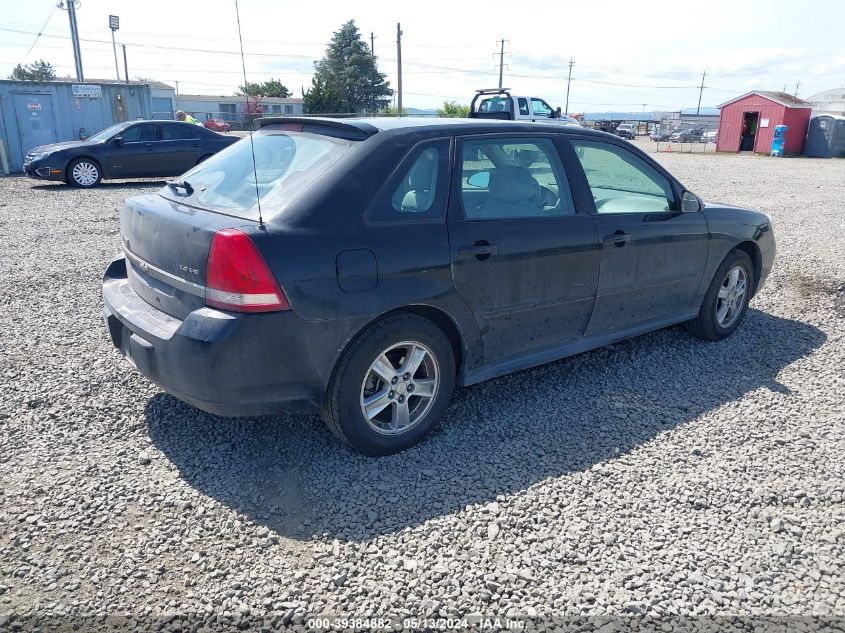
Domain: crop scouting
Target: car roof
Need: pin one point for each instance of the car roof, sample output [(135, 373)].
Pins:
[(368, 126)]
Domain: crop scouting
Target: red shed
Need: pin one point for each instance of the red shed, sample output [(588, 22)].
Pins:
[(747, 123)]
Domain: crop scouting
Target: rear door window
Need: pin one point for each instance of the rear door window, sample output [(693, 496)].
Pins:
[(506, 178), (176, 132)]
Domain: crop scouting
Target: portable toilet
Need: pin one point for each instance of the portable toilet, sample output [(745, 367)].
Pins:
[(779, 139), (826, 136)]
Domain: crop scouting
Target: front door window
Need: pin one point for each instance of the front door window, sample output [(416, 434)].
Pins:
[(620, 181)]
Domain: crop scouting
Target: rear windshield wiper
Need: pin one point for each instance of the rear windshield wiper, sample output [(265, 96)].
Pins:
[(181, 184)]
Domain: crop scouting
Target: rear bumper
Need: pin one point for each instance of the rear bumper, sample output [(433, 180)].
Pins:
[(221, 362)]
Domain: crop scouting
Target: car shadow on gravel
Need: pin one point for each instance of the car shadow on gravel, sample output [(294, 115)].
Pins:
[(289, 474)]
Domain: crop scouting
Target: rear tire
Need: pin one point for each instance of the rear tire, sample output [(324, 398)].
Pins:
[(726, 301), (83, 173), (375, 406)]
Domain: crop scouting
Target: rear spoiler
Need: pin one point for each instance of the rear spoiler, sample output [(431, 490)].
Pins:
[(350, 129)]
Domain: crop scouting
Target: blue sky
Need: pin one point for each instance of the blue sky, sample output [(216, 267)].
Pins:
[(628, 56)]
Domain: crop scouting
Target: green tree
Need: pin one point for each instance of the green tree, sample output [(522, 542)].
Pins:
[(349, 70), (36, 71), (453, 110), (321, 98), (272, 88)]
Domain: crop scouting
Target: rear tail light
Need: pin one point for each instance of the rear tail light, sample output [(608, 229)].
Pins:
[(239, 278)]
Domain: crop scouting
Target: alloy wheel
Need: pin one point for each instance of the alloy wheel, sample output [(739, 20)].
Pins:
[(731, 296), (85, 173), (399, 388)]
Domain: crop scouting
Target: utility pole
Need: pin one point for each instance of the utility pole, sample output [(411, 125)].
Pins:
[(177, 86), (114, 24), (568, 81), (700, 91), (399, 64), (125, 65), (797, 83), (372, 44), (74, 36), (501, 61)]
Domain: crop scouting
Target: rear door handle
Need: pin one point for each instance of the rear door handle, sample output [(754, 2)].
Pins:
[(620, 238), (478, 250), (149, 146)]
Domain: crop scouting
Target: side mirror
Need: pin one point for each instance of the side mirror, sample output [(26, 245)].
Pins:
[(690, 202), (480, 179), (118, 140)]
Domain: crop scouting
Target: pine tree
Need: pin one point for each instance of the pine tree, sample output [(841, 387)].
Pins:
[(348, 70), (36, 71)]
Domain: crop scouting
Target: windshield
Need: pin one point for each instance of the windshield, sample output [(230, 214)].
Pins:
[(107, 133), (286, 163)]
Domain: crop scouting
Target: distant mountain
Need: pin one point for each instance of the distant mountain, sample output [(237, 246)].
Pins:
[(617, 115), (639, 116), (420, 111), (710, 111)]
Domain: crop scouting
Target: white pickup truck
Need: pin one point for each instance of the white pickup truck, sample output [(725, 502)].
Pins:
[(500, 104)]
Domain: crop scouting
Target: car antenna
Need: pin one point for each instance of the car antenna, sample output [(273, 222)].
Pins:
[(251, 143)]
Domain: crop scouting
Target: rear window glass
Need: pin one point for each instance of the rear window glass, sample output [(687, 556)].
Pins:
[(286, 163)]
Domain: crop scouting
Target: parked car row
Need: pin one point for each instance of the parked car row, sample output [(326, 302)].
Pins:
[(697, 134)]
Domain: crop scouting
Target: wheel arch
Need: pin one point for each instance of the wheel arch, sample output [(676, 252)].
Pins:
[(438, 316), (753, 251)]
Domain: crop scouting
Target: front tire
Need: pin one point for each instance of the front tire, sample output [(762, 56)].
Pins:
[(83, 173), (391, 386), (726, 301)]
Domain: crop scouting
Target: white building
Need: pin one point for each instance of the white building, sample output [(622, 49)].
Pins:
[(829, 102), (229, 108)]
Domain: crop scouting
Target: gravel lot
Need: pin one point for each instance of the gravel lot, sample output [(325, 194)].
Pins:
[(661, 476)]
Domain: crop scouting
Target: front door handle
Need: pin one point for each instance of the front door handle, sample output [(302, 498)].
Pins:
[(619, 238), (150, 146), (479, 251)]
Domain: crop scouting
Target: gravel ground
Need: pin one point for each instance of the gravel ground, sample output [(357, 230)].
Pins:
[(661, 476)]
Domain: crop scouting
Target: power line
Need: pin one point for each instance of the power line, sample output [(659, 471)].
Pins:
[(172, 48), (40, 31)]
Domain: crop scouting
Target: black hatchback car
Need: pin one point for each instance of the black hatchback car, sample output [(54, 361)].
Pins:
[(363, 268), (136, 149)]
